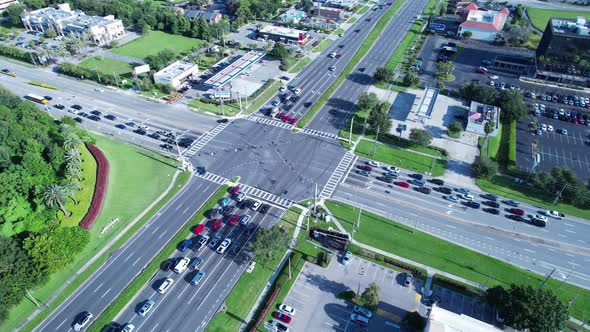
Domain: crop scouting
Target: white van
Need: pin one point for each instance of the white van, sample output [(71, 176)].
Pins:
[(165, 285), (181, 265)]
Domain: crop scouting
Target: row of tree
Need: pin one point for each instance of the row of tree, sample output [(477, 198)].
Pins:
[(510, 101), (564, 183)]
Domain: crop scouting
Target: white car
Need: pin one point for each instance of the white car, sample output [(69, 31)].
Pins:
[(83, 321), (297, 91), (533, 96), (128, 327), (393, 169), (223, 246), (181, 265), (165, 285), (282, 89), (256, 205), (373, 163), (251, 267), (332, 68), (540, 217), (550, 128), (287, 309), (494, 77), (99, 90), (492, 83), (332, 55), (544, 127), (451, 198), (554, 214), (467, 197)]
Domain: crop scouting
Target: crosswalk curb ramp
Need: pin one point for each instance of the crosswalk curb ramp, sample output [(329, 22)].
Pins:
[(204, 139), (339, 174)]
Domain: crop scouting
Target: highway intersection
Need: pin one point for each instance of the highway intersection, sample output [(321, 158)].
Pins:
[(282, 167)]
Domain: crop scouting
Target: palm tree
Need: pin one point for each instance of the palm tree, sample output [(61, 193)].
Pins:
[(73, 154), (73, 166), (65, 129), (73, 173), (54, 197), (71, 187), (71, 141)]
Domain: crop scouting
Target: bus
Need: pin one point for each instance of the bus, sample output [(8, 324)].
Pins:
[(37, 99)]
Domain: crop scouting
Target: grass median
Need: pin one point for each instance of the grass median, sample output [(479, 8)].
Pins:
[(356, 58), (322, 46), (243, 296), (109, 314), (44, 85), (299, 65), (129, 167), (390, 236)]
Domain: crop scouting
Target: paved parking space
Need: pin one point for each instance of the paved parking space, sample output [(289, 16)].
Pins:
[(461, 304), (314, 296), (570, 151)]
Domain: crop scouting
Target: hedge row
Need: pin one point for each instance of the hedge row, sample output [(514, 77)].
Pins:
[(102, 175), (18, 54)]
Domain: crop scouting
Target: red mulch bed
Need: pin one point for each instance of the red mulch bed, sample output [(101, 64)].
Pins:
[(102, 176)]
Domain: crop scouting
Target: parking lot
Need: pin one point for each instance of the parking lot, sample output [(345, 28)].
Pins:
[(461, 304), (566, 150), (314, 292)]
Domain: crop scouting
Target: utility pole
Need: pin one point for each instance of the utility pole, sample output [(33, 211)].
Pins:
[(350, 133), (32, 298), (559, 193), (375, 142), (116, 80), (289, 267), (97, 74), (358, 219), (547, 278)]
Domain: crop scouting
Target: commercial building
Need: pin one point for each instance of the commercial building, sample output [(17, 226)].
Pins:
[(177, 73), (334, 14), (344, 4), (234, 69), (483, 24), (210, 17), (441, 320), (292, 16), (101, 30), (6, 3), (284, 35), (479, 115)]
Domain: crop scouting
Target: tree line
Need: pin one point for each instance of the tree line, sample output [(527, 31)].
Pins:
[(40, 169)]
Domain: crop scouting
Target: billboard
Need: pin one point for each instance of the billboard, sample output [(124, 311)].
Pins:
[(141, 69), (436, 26)]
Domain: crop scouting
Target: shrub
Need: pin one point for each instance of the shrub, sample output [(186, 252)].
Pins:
[(102, 171)]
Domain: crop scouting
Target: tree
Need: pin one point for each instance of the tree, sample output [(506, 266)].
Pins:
[(527, 307), (71, 187), (13, 13), (367, 101), (204, 29), (481, 93), (280, 51), (445, 67), (35, 4), (512, 105), (268, 243), (50, 33), (484, 168), (420, 137), (411, 79), (456, 126), (467, 34), (54, 197), (379, 118), (382, 75), (243, 13), (55, 248), (371, 295), (489, 127), (145, 29), (306, 5)]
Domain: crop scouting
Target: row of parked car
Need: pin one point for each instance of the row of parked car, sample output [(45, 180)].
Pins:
[(570, 100)]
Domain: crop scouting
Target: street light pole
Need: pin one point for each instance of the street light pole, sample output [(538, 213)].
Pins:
[(547, 278), (559, 193), (350, 133)]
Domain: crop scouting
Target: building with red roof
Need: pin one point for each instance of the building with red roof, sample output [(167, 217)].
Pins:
[(483, 24)]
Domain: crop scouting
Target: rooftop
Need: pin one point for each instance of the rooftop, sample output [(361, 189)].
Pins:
[(234, 69), (577, 26), (283, 31), (441, 320), (66, 16), (479, 114), (175, 69), (200, 14)]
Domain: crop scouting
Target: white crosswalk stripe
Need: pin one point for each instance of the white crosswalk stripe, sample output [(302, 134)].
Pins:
[(270, 122), (203, 140), (339, 174), (318, 133), (272, 198), (213, 178)]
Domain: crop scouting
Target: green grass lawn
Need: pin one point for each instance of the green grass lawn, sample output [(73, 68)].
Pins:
[(84, 196), (300, 64), (264, 97), (243, 296), (401, 158), (108, 66), (154, 42), (351, 20), (136, 178), (322, 46), (405, 44), (6, 29), (539, 16), (393, 237), (228, 109), (494, 143), (339, 31)]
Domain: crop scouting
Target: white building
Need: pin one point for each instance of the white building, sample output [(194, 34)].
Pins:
[(64, 21), (176, 74), (6, 3), (441, 320)]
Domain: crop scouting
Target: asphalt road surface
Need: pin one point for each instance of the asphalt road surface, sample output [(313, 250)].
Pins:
[(124, 264)]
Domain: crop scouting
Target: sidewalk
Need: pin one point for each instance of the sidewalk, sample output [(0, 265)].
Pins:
[(106, 248)]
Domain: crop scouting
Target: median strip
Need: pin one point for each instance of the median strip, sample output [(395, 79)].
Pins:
[(356, 58)]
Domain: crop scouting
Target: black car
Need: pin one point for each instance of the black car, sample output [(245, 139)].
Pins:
[(516, 217), (438, 182), (423, 190), (59, 106), (492, 211), (200, 170), (120, 126), (212, 213), (110, 117), (536, 222), (307, 104), (490, 197), (222, 121), (445, 190), (154, 136), (416, 182), (185, 142), (84, 114), (511, 203), (247, 204), (491, 204), (130, 124), (168, 264), (78, 119), (416, 176), (76, 107), (264, 208), (48, 98), (96, 112), (228, 211), (94, 118), (388, 179), (284, 78), (166, 147), (473, 205), (140, 131), (295, 99)]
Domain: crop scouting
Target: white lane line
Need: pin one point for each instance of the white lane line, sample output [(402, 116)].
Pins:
[(570, 231), (105, 293), (62, 323), (138, 258), (97, 288), (156, 325), (529, 250), (561, 235), (130, 255), (451, 226)]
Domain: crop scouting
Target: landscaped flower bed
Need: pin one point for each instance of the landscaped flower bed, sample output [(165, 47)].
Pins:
[(102, 172)]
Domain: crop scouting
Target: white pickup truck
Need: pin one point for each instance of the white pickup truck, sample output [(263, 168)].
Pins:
[(554, 214)]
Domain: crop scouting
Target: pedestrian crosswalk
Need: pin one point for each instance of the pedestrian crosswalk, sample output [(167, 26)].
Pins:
[(339, 174), (203, 140), (265, 195), (270, 122), (212, 177), (318, 133)]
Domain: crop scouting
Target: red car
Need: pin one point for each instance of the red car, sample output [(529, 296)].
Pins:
[(199, 229), (282, 317), (365, 168), (402, 184), (234, 190), (293, 121), (286, 118), (281, 115), (228, 211), (234, 219), (217, 224), (518, 212)]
